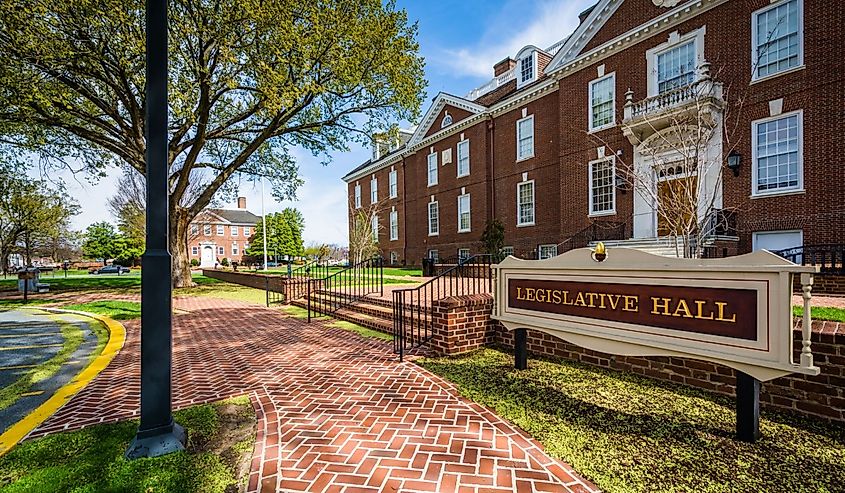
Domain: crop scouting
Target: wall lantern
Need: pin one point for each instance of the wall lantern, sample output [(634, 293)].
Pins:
[(621, 184), (734, 160)]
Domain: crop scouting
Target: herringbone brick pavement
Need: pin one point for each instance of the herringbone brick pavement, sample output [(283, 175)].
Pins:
[(336, 412)]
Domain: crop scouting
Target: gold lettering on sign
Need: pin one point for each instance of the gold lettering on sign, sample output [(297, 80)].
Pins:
[(660, 302), (721, 306), (700, 310), (631, 303)]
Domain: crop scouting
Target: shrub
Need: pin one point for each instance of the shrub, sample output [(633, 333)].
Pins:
[(224, 262), (195, 262)]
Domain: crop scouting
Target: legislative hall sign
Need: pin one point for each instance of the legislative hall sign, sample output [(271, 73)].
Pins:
[(734, 311)]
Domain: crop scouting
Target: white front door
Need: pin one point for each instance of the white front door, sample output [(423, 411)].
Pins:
[(207, 257)]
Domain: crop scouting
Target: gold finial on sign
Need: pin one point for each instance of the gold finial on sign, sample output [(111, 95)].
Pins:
[(600, 252)]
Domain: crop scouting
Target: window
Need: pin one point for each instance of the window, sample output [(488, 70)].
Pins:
[(508, 250), (234, 231), (433, 219), (374, 226), (195, 229), (195, 251), (526, 69), (221, 230), (247, 231), (234, 248), (463, 213), (246, 246), (602, 187), (525, 138), (463, 158), (393, 188), (463, 253), (602, 102), (394, 225), (446, 121), (434, 255), (525, 203), (774, 241), (394, 259), (206, 229), (777, 154), (221, 251), (357, 196), (374, 190), (547, 251), (676, 67), (432, 169), (777, 32)]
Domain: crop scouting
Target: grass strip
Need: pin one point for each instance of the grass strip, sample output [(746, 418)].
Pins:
[(221, 437), (72, 336), (361, 331), (821, 313), (631, 434), (115, 310)]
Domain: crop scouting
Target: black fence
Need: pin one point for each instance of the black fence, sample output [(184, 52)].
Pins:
[(830, 258), (331, 293), (412, 307)]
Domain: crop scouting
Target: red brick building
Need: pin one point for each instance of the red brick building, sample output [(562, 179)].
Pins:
[(575, 142), (216, 234)]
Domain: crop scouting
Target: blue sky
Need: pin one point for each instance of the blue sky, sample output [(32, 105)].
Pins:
[(460, 40)]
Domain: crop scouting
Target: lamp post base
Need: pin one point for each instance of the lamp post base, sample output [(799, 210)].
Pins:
[(157, 442)]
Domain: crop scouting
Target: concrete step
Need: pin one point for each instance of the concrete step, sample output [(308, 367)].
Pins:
[(655, 246), (355, 317)]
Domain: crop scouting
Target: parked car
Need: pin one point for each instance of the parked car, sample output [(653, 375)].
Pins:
[(112, 269)]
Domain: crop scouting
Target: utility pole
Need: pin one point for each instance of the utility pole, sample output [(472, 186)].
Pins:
[(157, 434), (264, 224)]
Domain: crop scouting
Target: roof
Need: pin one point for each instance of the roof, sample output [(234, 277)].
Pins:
[(236, 216)]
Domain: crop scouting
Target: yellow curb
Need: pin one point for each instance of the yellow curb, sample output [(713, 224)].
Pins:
[(117, 336)]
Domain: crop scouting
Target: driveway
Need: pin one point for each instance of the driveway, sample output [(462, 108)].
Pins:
[(336, 412)]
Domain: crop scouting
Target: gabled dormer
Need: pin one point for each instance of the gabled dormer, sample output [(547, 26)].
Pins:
[(527, 66)]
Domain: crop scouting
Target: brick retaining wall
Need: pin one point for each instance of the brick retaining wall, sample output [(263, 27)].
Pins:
[(462, 324), (253, 280), (823, 284)]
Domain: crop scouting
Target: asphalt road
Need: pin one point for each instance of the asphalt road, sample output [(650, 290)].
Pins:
[(28, 339)]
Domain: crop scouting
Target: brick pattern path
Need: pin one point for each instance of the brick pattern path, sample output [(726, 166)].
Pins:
[(336, 412)]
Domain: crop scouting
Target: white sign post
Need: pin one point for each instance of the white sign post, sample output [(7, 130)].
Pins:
[(735, 311)]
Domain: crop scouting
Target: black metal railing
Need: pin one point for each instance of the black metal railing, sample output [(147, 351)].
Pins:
[(315, 268), (596, 231), (331, 293), (412, 307), (722, 222), (830, 258)]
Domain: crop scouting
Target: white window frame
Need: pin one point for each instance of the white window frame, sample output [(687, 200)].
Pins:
[(246, 246), (357, 195), (464, 144), (652, 54), (435, 257), (533, 134), (783, 191), (434, 232), (428, 169), (756, 234), (233, 230), (394, 258), (374, 190), (507, 250), (247, 231), (754, 47), (590, 112), (195, 251), (221, 250), (519, 80), (468, 212), (221, 230), (612, 211), (234, 249), (195, 229), (520, 224), (464, 253), (540, 251), (374, 227), (206, 230), (393, 184), (394, 225)]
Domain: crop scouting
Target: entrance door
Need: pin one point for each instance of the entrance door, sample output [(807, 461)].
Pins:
[(207, 259), (678, 199)]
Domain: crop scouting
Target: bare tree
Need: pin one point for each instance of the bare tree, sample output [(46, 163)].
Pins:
[(363, 233)]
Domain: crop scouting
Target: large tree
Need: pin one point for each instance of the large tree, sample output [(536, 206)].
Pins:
[(284, 235), (250, 80)]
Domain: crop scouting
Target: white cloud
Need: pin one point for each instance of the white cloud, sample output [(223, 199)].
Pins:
[(546, 24)]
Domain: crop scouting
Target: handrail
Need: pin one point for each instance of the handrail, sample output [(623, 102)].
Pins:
[(584, 239), (347, 286), (412, 319), (313, 267), (829, 257)]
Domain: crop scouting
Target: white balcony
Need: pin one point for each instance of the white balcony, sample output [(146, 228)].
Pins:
[(492, 85)]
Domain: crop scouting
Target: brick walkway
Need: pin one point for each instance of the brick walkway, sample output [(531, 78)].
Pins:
[(335, 412)]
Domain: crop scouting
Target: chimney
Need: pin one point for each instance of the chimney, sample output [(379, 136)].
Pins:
[(241, 202), (503, 66)]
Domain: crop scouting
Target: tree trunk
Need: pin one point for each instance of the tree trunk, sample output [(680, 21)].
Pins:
[(179, 224)]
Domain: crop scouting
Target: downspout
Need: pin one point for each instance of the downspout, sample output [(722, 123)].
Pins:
[(491, 141)]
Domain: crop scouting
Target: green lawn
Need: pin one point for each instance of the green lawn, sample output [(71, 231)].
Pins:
[(821, 313), (221, 437), (361, 331), (225, 290), (117, 310), (631, 434)]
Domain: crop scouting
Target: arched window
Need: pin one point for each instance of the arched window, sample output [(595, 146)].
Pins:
[(447, 120)]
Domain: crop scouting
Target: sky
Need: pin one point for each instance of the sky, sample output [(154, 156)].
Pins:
[(460, 41)]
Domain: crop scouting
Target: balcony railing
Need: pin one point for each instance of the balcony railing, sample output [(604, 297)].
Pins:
[(493, 84), (702, 89)]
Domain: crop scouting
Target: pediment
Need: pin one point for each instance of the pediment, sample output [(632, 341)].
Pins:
[(444, 106)]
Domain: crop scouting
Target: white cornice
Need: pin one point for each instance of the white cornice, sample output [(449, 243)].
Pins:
[(374, 166), (441, 100), (642, 32), (583, 33)]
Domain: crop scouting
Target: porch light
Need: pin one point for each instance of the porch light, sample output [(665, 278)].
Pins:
[(734, 160), (621, 184)]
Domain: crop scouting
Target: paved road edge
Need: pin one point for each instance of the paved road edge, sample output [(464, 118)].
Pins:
[(117, 336)]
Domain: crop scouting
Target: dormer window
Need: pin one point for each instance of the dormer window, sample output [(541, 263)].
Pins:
[(446, 121), (526, 70)]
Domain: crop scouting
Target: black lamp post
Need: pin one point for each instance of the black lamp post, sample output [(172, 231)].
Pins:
[(157, 434), (734, 160)]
